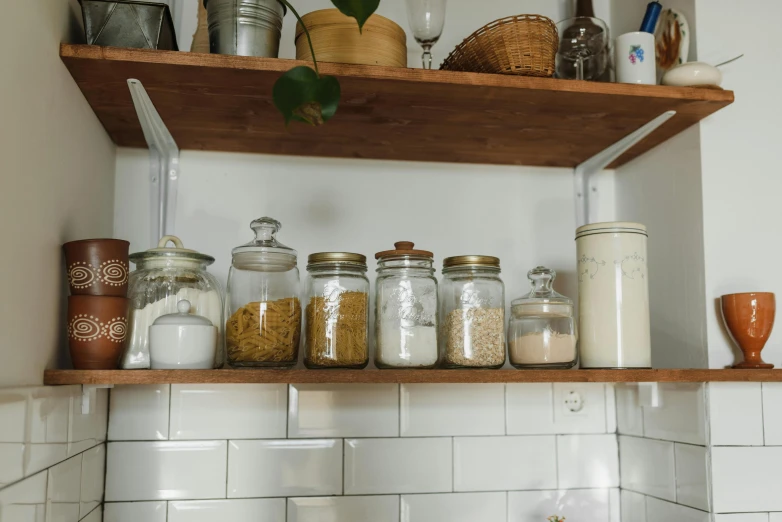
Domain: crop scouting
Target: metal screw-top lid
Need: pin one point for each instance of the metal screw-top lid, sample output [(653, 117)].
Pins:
[(337, 257), (404, 249), (474, 261)]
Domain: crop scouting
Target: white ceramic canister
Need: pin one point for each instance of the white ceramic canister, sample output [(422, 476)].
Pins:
[(613, 296), (635, 58), (182, 341)]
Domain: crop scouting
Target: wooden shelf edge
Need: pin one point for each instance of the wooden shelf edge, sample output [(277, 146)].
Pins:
[(238, 376)]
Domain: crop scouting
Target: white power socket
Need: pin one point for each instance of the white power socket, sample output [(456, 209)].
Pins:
[(574, 403)]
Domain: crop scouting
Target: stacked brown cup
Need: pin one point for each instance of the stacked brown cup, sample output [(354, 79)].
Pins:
[(97, 272)]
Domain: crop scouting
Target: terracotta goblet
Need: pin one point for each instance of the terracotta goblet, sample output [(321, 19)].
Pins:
[(749, 318)]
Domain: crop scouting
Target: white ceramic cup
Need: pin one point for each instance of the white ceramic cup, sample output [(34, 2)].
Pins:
[(635, 59)]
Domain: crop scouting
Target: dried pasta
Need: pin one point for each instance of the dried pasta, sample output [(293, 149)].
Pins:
[(337, 330), (264, 332)]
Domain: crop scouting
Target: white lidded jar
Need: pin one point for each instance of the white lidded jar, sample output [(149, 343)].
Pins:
[(613, 296), (182, 341)]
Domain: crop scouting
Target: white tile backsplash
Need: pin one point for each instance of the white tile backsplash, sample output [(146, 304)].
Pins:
[(25, 501), (744, 517), (343, 410), (167, 470), (11, 462), (135, 512), (402, 465), (284, 468), (682, 417), (633, 506), (648, 466), (661, 511), (236, 510), (504, 463), (228, 411), (629, 414), (539, 408), (139, 412), (587, 461), (772, 413), (746, 479), (88, 429), (93, 475), (380, 508), (13, 414), (47, 426), (735, 414), (96, 515), (583, 505), (455, 507), (63, 491), (452, 409), (692, 482)]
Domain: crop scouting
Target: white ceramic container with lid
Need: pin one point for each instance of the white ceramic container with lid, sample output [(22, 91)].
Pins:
[(182, 341), (613, 296)]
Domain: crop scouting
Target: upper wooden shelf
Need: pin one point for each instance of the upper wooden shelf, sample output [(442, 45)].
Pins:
[(223, 103), (55, 377)]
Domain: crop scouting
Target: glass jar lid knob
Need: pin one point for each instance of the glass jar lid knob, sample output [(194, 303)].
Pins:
[(541, 278), (265, 228)]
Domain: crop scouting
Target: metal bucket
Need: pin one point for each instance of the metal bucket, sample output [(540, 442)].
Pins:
[(245, 27)]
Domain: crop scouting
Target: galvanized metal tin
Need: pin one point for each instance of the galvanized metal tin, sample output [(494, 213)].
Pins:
[(245, 27), (128, 23)]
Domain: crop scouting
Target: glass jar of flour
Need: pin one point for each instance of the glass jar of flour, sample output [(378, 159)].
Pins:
[(164, 276), (613, 296), (405, 308)]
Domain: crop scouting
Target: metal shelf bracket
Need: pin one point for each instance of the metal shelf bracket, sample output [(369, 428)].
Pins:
[(163, 164), (89, 396), (586, 194), (649, 395)]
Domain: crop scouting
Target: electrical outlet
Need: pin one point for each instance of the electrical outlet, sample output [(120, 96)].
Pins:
[(574, 403)]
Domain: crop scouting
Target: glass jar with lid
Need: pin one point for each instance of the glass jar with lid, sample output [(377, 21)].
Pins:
[(405, 308), (164, 276), (472, 313), (263, 309), (337, 315), (542, 330)]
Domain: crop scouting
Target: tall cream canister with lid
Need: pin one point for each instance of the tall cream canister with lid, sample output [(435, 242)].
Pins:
[(613, 295)]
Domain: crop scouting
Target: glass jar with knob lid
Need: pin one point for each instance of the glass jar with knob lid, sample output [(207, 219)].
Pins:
[(263, 309), (542, 329), (405, 308), (472, 313)]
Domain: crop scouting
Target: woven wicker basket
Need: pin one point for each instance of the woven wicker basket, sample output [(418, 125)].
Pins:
[(523, 44)]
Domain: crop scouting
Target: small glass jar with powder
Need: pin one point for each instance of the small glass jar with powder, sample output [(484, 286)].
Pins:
[(542, 330)]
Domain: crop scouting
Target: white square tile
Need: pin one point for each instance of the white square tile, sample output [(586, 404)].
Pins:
[(165, 470), (93, 475), (96, 515), (692, 476), (614, 505), (629, 414), (530, 408), (452, 409), (455, 507), (648, 466), (772, 413), (11, 462), (343, 410), (662, 511), (406, 465), (48, 419), (13, 414), (88, 430), (610, 393), (503, 463), (25, 501), (588, 461), (228, 411), (139, 412), (746, 479), (682, 417), (583, 505), (238, 510), (63, 491), (633, 506), (745, 517), (284, 468), (736, 414), (383, 508), (540, 408), (134, 512), (774, 517)]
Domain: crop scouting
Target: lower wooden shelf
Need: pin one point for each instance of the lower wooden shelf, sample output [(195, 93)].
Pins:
[(234, 376)]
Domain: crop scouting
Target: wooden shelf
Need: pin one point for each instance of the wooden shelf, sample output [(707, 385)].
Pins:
[(223, 103), (55, 377)]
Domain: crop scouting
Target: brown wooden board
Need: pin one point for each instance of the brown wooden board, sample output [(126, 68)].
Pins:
[(223, 103), (54, 377)]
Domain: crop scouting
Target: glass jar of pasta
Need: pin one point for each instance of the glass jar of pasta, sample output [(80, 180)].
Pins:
[(336, 323), (262, 306)]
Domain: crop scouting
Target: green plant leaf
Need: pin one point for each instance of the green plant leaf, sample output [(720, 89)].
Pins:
[(358, 9), (300, 94)]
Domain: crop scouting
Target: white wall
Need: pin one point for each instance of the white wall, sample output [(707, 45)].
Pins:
[(57, 168)]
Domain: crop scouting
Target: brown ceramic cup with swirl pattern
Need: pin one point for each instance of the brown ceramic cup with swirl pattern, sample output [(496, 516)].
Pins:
[(97, 267), (97, 331)]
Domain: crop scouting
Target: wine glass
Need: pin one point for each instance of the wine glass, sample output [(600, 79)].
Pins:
[(583, 48), (426, 19)]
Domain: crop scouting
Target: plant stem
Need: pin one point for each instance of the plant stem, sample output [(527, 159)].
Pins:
[(306, 32)]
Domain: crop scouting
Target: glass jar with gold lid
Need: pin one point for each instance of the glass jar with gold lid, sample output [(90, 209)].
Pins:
[(472, 313), (336, 322)]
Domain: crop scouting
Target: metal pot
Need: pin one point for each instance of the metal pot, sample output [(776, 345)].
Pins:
[(245, 27)]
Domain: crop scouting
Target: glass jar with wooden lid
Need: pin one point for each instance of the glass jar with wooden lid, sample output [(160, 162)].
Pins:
[(263, 308), (472, 313), (336, 321)]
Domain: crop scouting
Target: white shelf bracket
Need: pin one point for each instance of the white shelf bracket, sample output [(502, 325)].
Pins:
[(586, 194), (649, 395), (89, 396), (163, 164)]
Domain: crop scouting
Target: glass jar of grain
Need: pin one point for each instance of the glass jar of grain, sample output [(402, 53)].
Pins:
[(262, 306), (336, 320), (472, 313)]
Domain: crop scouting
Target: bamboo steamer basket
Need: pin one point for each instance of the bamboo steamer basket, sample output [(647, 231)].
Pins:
[(336, 38)]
